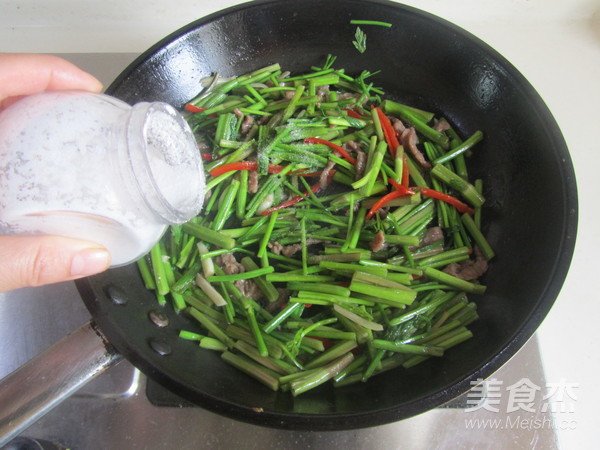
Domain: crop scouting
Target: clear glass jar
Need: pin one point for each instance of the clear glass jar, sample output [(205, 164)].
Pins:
[(92, 167)]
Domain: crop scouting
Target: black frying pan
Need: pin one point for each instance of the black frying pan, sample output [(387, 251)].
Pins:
[(530, 214)]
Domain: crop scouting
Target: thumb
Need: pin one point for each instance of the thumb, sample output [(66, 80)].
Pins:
[(39, 260)]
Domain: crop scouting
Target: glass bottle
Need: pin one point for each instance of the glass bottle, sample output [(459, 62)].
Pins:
[(92, 167)]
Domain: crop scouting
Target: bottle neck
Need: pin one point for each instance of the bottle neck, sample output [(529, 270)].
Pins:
[(165, 162)]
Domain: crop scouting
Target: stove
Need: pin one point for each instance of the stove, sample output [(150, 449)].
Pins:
[(122, 409)]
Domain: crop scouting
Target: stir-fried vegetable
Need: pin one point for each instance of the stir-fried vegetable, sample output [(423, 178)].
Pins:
[(340, 235)]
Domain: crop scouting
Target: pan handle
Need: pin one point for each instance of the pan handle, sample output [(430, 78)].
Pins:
[(34, 389)]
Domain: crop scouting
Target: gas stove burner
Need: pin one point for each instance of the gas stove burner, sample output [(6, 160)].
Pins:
[(25, 443)]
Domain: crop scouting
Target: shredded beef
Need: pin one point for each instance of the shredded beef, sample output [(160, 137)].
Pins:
[(229, 264), (361, 162), (290, 250), (249, 289), (275, 247), (432, 235), (441, 125), (378, 241), (398, 125), (322, 92), (348, 95), (470, 269), (351, 146), (253, 182), (325, 178), (409, 142), (383, 213), (247, 124)]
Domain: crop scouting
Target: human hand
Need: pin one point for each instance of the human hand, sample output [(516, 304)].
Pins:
[(40, 260)]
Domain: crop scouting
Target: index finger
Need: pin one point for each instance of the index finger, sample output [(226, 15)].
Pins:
[(28, 73)]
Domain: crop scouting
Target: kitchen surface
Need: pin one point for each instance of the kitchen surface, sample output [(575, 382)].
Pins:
[(555, 44)]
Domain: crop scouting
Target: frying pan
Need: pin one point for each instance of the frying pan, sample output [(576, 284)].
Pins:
[(530, 215)]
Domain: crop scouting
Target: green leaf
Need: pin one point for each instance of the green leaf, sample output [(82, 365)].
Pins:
[(361, 40)]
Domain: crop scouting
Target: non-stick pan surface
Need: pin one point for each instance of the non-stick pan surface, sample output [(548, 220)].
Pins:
[(530, 214)]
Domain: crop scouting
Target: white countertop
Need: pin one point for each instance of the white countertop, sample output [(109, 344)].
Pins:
[(555, 44)]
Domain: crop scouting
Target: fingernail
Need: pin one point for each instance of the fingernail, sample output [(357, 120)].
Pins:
[(89, 262)]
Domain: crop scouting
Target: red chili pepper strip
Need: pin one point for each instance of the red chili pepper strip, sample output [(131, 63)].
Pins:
[(382, 201), (191, 108), (332, 146), (243, 165), (405, 170), (274, 168), (206, 156), (388, 131), (399, 187), (353, 113), (460, 206), (224, 168), (292, 201), (308, 174)]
